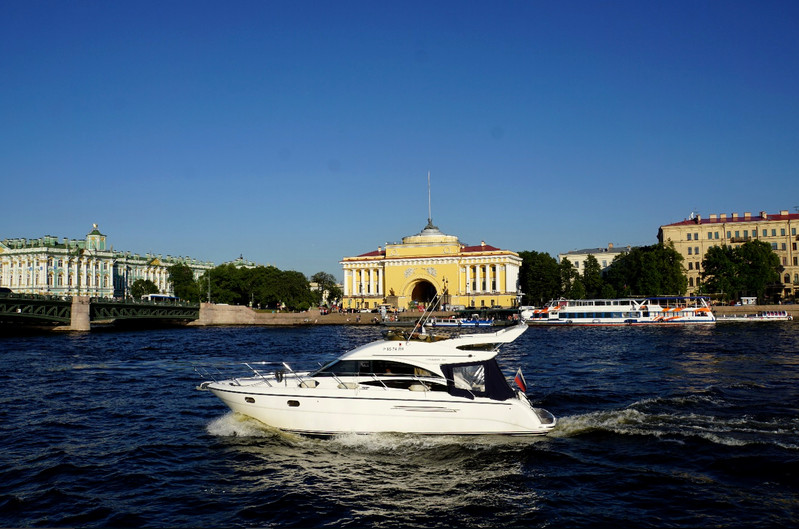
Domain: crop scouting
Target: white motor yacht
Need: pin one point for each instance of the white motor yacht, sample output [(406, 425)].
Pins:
[(420, 383)]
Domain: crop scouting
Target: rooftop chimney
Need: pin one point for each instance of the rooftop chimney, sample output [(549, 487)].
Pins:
[(713, 216), (748, 215), (734, 216)]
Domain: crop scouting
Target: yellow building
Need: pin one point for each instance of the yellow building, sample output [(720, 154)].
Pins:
[(692, 238), (427, 264)]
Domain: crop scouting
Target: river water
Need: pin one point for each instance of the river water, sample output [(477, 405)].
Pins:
[(667, 426)]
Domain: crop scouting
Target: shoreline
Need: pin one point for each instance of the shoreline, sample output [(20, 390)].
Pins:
[(211, 314)]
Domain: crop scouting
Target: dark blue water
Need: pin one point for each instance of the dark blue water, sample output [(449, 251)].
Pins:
[(678, 427)]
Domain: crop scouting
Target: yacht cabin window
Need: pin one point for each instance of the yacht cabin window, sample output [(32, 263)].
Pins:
[(370, 367)]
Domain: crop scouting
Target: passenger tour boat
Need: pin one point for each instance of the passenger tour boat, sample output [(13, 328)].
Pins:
[(625, 311), (766, 315)]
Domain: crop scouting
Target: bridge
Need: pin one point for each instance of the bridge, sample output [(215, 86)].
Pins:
[(78, 313)]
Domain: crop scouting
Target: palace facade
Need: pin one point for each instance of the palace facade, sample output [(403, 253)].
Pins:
[(692, 238), (83, 267), (414, 271)]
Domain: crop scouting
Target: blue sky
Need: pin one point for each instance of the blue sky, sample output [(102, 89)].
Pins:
[(299, 132)]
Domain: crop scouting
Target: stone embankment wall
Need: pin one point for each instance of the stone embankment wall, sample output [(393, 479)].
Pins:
[(211, 314)]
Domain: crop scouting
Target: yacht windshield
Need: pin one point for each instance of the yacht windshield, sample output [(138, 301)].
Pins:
[(371, 367)]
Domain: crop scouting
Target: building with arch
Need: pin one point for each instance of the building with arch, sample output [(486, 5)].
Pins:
[(431, 262)]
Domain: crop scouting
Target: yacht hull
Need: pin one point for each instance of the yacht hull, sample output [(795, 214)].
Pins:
[(316, 411)]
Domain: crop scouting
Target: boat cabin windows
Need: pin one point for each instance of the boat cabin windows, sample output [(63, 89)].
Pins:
[(371, 367)]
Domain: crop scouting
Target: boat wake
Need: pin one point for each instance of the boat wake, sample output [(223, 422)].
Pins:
[(237, 425), (680, 419)]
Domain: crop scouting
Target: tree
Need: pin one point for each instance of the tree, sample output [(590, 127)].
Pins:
[(327, 290), (749, 269), (539, 278), (183, 284), (142, 287), (720, 272), (648, 271), (261, 286), (294, 290), (759, 268), (592, 278), (577, 288), (568, 277)]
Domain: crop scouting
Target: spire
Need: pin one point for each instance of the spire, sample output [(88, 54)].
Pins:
[(430, 225)]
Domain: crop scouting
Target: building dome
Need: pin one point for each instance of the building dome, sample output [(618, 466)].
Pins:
[(430, 234)]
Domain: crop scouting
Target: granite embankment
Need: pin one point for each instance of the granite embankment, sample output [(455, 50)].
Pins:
[(211, 314)]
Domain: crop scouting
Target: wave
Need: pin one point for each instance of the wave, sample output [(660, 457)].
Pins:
[(237, 425), (677, 419)]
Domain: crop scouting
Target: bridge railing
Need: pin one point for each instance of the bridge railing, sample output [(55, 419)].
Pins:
[(58, 309)]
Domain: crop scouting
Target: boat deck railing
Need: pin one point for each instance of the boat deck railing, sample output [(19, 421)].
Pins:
[(275, 373), (262, 372)]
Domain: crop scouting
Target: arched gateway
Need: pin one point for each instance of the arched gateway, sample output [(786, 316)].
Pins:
[(423, 292), (427, 263)]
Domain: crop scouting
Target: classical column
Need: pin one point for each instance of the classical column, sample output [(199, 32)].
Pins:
[(478, 279), (347, 279), (371, 281), (468, 278), (380, 281)]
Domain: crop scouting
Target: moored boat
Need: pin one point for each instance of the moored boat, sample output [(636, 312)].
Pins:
[(624, 311), (766, 315)]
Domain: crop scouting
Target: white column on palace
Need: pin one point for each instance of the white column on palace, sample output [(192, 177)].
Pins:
[(371, 281), (380, 281), (347, 279)]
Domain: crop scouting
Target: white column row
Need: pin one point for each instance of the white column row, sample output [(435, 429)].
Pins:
[(363, 281), (484, 280)]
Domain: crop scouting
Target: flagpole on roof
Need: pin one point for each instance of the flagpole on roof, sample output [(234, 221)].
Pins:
[(429, 202)]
